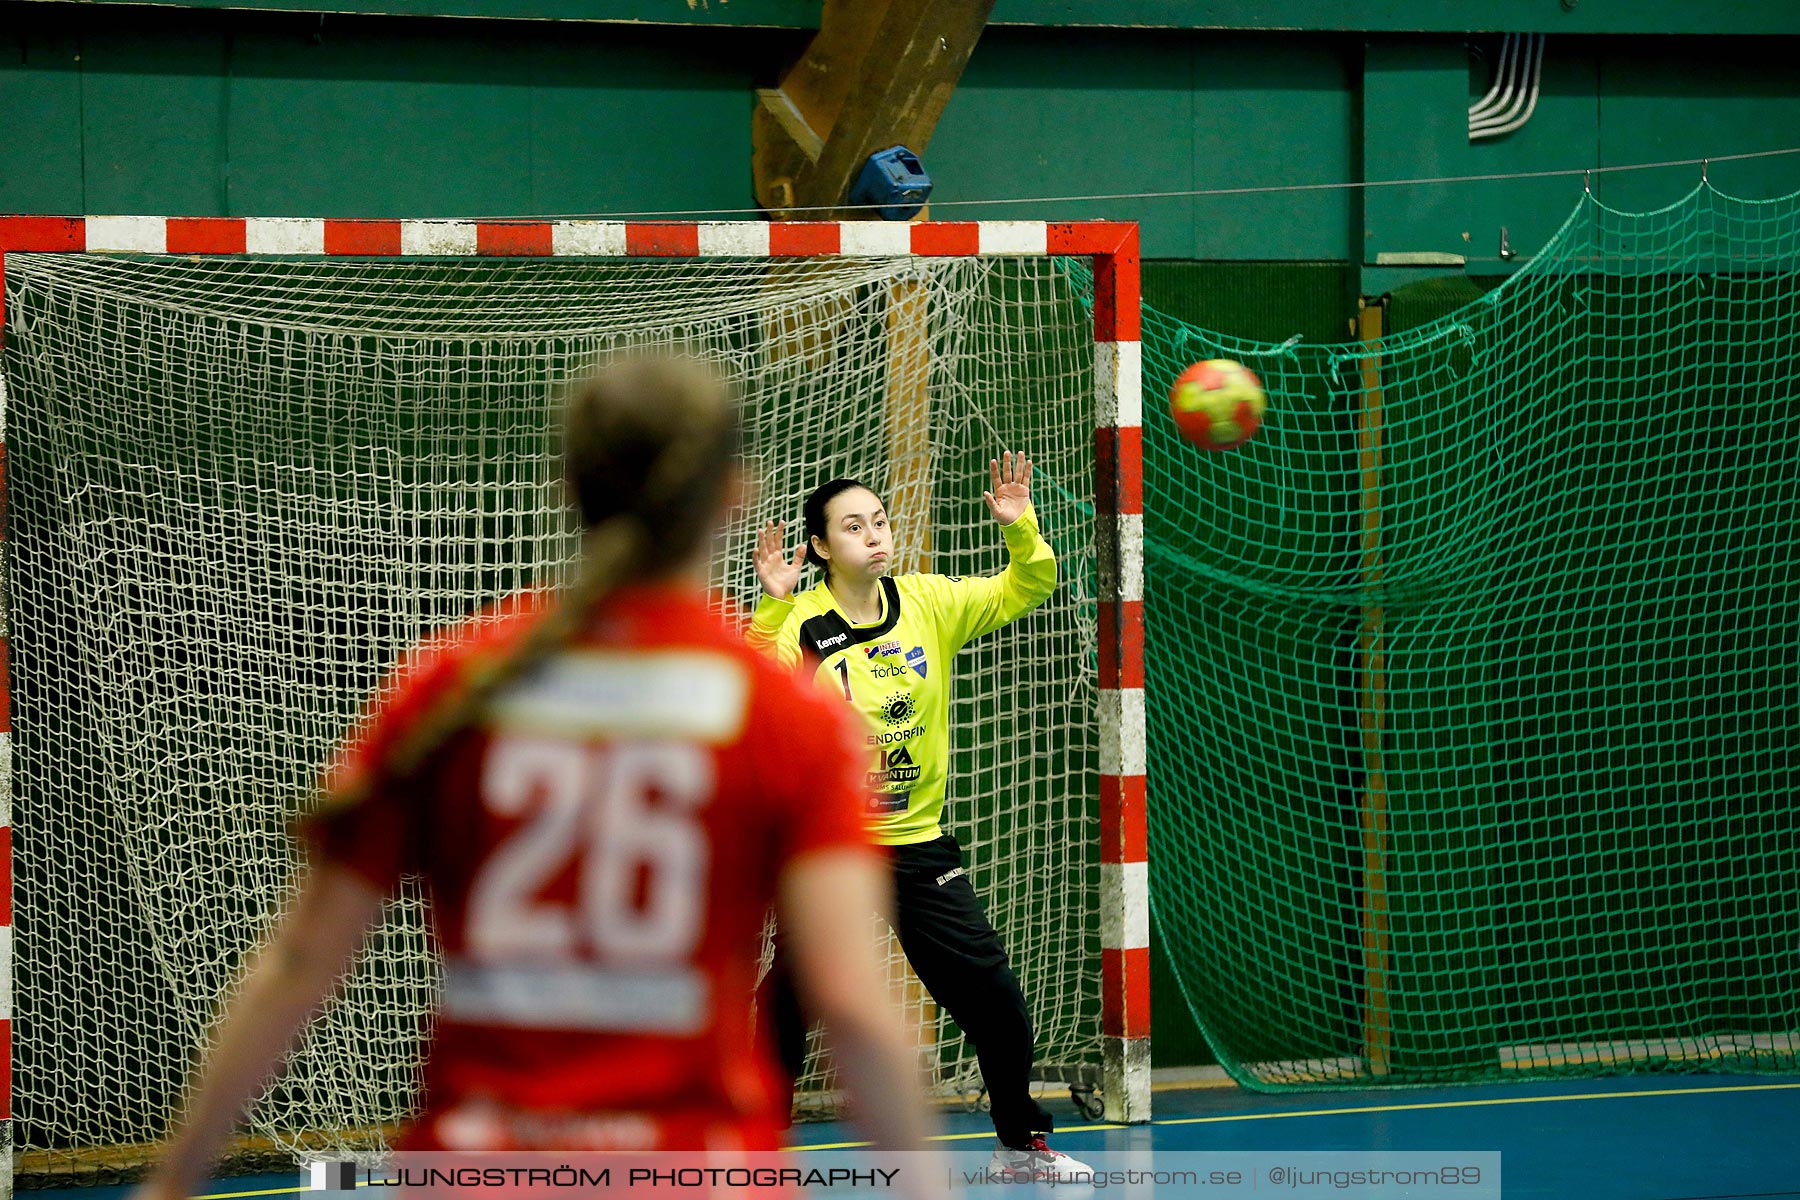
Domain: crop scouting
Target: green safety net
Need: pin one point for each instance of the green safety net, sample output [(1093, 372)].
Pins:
[(1474, 680)]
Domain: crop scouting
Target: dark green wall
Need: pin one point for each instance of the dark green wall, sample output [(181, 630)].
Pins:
[(1603, 102), (1368, 16), (1057, 113), (169, 112), (163, 110)]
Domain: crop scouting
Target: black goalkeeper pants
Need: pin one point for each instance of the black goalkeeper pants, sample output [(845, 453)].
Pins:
[(958, 957)]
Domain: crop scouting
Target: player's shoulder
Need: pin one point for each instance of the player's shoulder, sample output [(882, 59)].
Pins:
[(500, 623), (772, 683), (918, 582), (925, 589), (780, 696), (440, 657), (811, 602), (691, 626)]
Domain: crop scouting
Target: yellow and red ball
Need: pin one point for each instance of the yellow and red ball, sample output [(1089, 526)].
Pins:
[(1218, 404)]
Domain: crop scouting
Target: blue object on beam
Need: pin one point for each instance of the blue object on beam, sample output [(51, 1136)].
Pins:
[(895, 182)]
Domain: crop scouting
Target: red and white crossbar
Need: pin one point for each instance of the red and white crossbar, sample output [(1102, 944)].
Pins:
[(1118, 450)]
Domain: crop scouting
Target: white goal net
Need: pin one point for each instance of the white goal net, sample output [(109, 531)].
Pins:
[(239, 488)]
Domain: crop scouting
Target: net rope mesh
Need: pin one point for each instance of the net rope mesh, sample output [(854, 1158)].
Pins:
[(1475, 679), (241, 488)]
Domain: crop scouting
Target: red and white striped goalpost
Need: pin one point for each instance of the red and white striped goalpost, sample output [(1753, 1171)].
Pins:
[(1112, 248)]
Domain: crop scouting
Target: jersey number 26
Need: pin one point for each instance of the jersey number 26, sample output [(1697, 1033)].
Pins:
[(590, 804)]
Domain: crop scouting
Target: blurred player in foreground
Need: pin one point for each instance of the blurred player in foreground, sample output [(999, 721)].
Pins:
[(604, 790)]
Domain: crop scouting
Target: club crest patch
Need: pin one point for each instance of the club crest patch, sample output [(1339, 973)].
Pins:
[(915, 658)]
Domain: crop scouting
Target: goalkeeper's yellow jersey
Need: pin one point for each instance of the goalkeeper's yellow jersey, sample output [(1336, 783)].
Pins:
[(896, 671)]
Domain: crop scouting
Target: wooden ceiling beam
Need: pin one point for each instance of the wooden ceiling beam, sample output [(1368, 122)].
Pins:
[(878, 73)]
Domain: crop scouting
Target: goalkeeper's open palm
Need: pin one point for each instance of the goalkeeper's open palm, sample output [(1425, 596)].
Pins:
[(778, 574), (1011, 494)]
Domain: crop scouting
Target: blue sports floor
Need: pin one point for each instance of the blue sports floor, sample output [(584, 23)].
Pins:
[(1643, 1138)]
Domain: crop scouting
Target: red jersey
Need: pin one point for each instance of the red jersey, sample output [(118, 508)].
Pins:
[(600, 850)]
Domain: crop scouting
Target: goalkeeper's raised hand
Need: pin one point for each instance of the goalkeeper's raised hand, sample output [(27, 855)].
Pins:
[(777, 574), (1011, 494)]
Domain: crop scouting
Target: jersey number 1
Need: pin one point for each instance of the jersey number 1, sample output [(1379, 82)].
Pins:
[(843, 670), (590, 805)]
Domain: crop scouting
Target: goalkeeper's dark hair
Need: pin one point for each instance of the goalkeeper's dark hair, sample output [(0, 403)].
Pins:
[(814, 511), (647, 443)]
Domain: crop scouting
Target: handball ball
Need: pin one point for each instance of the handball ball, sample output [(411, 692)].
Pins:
[(1218, 404)]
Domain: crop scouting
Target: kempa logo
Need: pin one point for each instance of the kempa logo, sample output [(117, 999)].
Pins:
[(836, 639), (947, 876), (332, 1176)]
